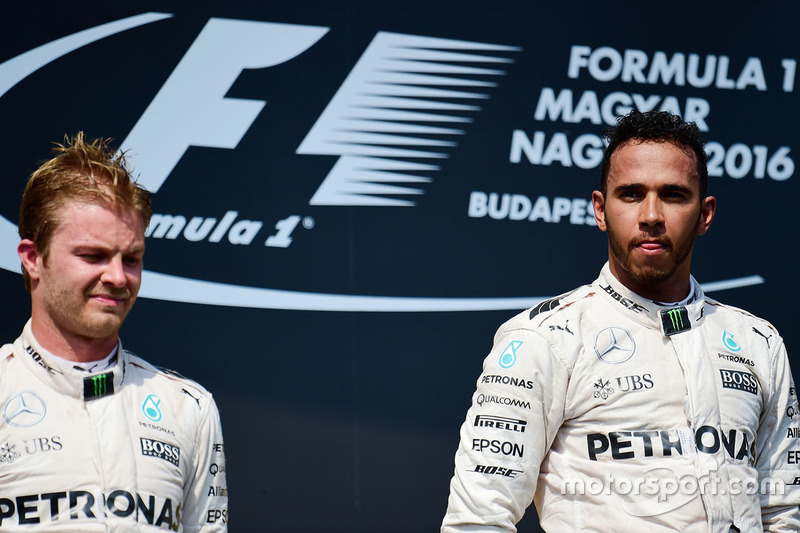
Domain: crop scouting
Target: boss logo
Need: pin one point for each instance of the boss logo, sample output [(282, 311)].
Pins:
[(735, 379), (162, 450)]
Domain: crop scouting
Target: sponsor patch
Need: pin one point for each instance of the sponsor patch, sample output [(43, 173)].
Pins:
[(509, 356), (162, 450), (736, 379), (614, 345), (675, 320)]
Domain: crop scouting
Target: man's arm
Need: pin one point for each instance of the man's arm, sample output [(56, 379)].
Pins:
[(778, 449), (205, 504), (516, 411)]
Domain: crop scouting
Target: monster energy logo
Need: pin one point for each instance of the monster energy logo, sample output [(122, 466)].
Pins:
[(675, 320), (98, 386)]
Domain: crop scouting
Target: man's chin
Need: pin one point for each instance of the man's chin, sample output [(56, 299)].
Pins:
[(103, 327), (650, 274)]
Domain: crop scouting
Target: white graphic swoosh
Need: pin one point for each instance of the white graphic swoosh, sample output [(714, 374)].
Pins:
[(179, 289), (167, 287), (18, 68)]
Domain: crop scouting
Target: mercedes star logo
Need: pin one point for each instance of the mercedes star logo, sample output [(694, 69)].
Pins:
[(24, 409), (614, 345)]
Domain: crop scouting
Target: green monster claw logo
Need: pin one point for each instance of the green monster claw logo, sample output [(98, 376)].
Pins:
[(99, 384), (676, 318)]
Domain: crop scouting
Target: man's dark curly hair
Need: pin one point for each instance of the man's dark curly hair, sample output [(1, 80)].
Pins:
[(658, 126)]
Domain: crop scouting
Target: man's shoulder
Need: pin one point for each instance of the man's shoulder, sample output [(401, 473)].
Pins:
[(6, 350), (568, 305), (169, 378), (733, 313)]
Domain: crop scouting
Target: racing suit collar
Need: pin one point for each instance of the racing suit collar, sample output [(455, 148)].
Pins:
[(74, 383), (669, 319)]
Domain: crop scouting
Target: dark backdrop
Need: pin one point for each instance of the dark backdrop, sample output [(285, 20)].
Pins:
[(376, 142)]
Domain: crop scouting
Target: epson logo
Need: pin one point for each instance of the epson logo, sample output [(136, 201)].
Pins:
[(735, 379), (162, 450), (500, 422), (498, 447)]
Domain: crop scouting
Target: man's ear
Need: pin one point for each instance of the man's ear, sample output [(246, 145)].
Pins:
[(707, 210), (599, 203), (30, 257)]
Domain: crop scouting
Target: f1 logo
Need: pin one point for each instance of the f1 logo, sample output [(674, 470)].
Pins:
[(191, 108)]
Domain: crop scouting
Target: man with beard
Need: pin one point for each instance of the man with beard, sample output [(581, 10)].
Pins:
[(94, 438), (635, 403)]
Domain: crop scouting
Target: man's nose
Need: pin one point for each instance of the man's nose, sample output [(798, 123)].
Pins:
[(114, 273), (651, 213)]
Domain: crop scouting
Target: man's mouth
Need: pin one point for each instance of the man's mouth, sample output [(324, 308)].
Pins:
[(108, 299), (650, 246)]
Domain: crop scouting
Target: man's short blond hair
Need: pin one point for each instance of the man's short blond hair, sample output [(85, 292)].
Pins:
[(80, 171)]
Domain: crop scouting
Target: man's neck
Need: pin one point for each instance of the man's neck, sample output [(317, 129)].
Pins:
[(674, 289), (70, 346)]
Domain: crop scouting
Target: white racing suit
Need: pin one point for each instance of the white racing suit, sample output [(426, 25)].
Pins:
[(613, 413), (132, 448)]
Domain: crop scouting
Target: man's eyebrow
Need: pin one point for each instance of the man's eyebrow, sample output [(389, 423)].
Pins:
[(83, 247), (628, 187), (673, 187), (669, 187)]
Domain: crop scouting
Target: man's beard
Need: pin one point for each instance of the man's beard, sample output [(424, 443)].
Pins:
[(648, 273)]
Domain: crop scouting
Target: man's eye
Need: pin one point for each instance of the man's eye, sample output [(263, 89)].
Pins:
[(674, 195), (132, 261)]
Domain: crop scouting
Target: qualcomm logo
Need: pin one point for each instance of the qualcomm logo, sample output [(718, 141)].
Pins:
[(395, 116)]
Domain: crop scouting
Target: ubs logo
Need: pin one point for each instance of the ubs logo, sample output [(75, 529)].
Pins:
[(614, 345), (24, 409)]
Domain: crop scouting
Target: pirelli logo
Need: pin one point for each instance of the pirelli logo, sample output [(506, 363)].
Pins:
[(500, 422), (736, 379)]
